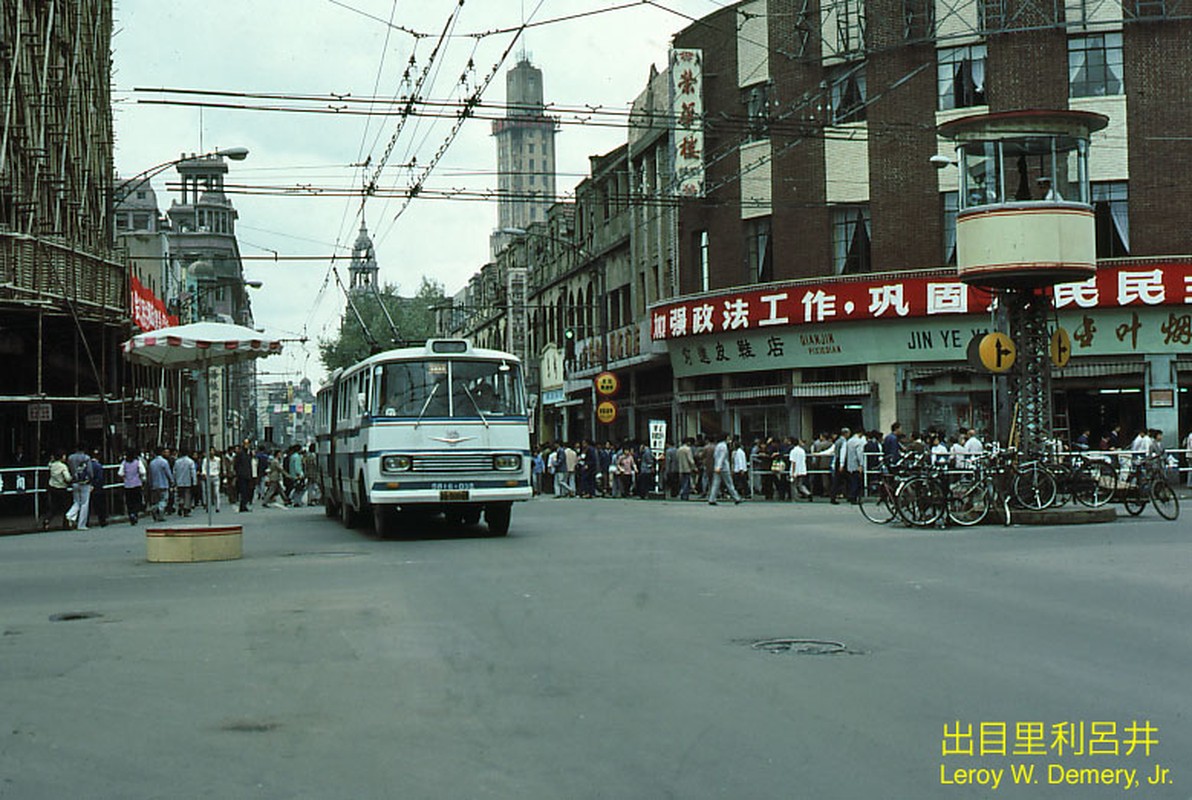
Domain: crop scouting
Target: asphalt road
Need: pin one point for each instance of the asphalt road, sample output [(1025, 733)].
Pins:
[(605, 649)]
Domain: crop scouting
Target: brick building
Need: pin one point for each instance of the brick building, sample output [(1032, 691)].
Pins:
[(820, 121)]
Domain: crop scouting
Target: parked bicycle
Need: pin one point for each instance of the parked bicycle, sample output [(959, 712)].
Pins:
[(1145, 482)]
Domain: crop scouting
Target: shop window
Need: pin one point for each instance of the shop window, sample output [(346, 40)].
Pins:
[(1111, 210), (847, 89), (850, 240), (759, 250), (1095, 65), (960, 74)]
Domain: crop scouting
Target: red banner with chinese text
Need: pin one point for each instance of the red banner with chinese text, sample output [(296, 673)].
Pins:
[(148, 311), (893, 296)]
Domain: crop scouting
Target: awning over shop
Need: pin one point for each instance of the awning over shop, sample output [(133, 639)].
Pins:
[(835, 389), (755, 392), (1098, 369)]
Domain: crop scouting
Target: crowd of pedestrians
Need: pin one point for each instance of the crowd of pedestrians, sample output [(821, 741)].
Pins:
[(163, 481), (714, 467)]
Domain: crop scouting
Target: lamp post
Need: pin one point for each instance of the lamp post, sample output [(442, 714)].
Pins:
[(194, 299), (124, 189)]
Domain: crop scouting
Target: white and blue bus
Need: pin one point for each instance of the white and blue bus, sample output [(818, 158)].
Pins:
[(440, 428)]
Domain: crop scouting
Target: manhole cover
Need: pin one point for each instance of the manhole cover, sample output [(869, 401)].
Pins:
[(71, 616), (250, 726), (801, 647)]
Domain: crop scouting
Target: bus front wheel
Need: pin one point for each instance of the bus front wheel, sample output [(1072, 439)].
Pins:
[(497, 515), (385, 521)]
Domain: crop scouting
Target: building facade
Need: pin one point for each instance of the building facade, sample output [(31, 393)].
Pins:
[(773, 250), (809, 263), (64, 296)]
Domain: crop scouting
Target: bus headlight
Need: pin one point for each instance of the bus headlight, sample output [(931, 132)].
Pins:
[(509, 462), (395, 463)]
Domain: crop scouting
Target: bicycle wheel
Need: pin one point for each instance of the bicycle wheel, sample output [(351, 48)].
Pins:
[(1034, 488), (1134, 501), (877, 505), (969, 501), (1095, 484), (920, 502), (1164, 498)]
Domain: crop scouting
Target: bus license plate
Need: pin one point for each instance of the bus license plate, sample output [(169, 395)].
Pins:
[(453, 495)]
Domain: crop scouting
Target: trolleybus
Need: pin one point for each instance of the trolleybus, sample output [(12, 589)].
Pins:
[(440, 428)]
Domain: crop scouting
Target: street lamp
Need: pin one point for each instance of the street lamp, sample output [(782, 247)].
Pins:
[(194, 298), (121, 193)]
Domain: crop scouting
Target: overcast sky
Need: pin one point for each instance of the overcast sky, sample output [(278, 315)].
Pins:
[(349, 47)]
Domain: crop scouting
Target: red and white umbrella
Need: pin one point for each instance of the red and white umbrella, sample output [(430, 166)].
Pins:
[(200, 344)]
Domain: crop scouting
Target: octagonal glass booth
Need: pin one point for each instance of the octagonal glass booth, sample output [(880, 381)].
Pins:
[(1025, 217)]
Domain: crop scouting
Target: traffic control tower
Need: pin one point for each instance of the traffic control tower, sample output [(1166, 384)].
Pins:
[(1025, 223)]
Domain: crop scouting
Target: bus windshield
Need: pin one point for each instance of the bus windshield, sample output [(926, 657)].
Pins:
[(456, 388)]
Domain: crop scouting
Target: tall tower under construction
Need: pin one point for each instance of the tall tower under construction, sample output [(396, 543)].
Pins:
[(525, 154)]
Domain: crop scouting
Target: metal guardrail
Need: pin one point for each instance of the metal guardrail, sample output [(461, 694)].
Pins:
[(1182, 457), (31, 483)]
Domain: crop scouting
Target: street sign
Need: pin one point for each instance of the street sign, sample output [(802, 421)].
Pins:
[(40, 412), (997, 352), (607, 384), (606, 412), (1061, 348), (658, 435)]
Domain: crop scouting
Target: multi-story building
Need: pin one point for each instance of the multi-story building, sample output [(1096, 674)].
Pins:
[(525, 155), (591, 269), (64, 298), (821, 219), (287, 411), (783, 223), (202, 241)]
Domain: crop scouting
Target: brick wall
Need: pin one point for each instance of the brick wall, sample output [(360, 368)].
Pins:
[(1027, 69), (719, 213), (1158, 60), (801, 229), (907, 228)]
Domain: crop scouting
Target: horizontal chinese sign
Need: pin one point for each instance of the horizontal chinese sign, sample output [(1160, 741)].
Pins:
[(895, 296), (1097, 332), (148, 311)]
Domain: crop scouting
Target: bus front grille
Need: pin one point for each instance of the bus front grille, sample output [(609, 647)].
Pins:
[(452, 462)]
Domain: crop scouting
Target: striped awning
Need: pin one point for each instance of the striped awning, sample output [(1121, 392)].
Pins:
[(1099, 369), (835, 389)]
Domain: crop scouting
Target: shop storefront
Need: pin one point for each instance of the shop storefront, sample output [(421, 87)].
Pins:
[(870, 351)]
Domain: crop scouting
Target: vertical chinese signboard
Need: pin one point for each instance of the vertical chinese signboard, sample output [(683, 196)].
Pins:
[(687, 105)]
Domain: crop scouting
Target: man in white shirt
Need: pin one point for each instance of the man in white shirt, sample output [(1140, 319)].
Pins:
[(799, 472), (740, 467), (972, 448), (720, 472)]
